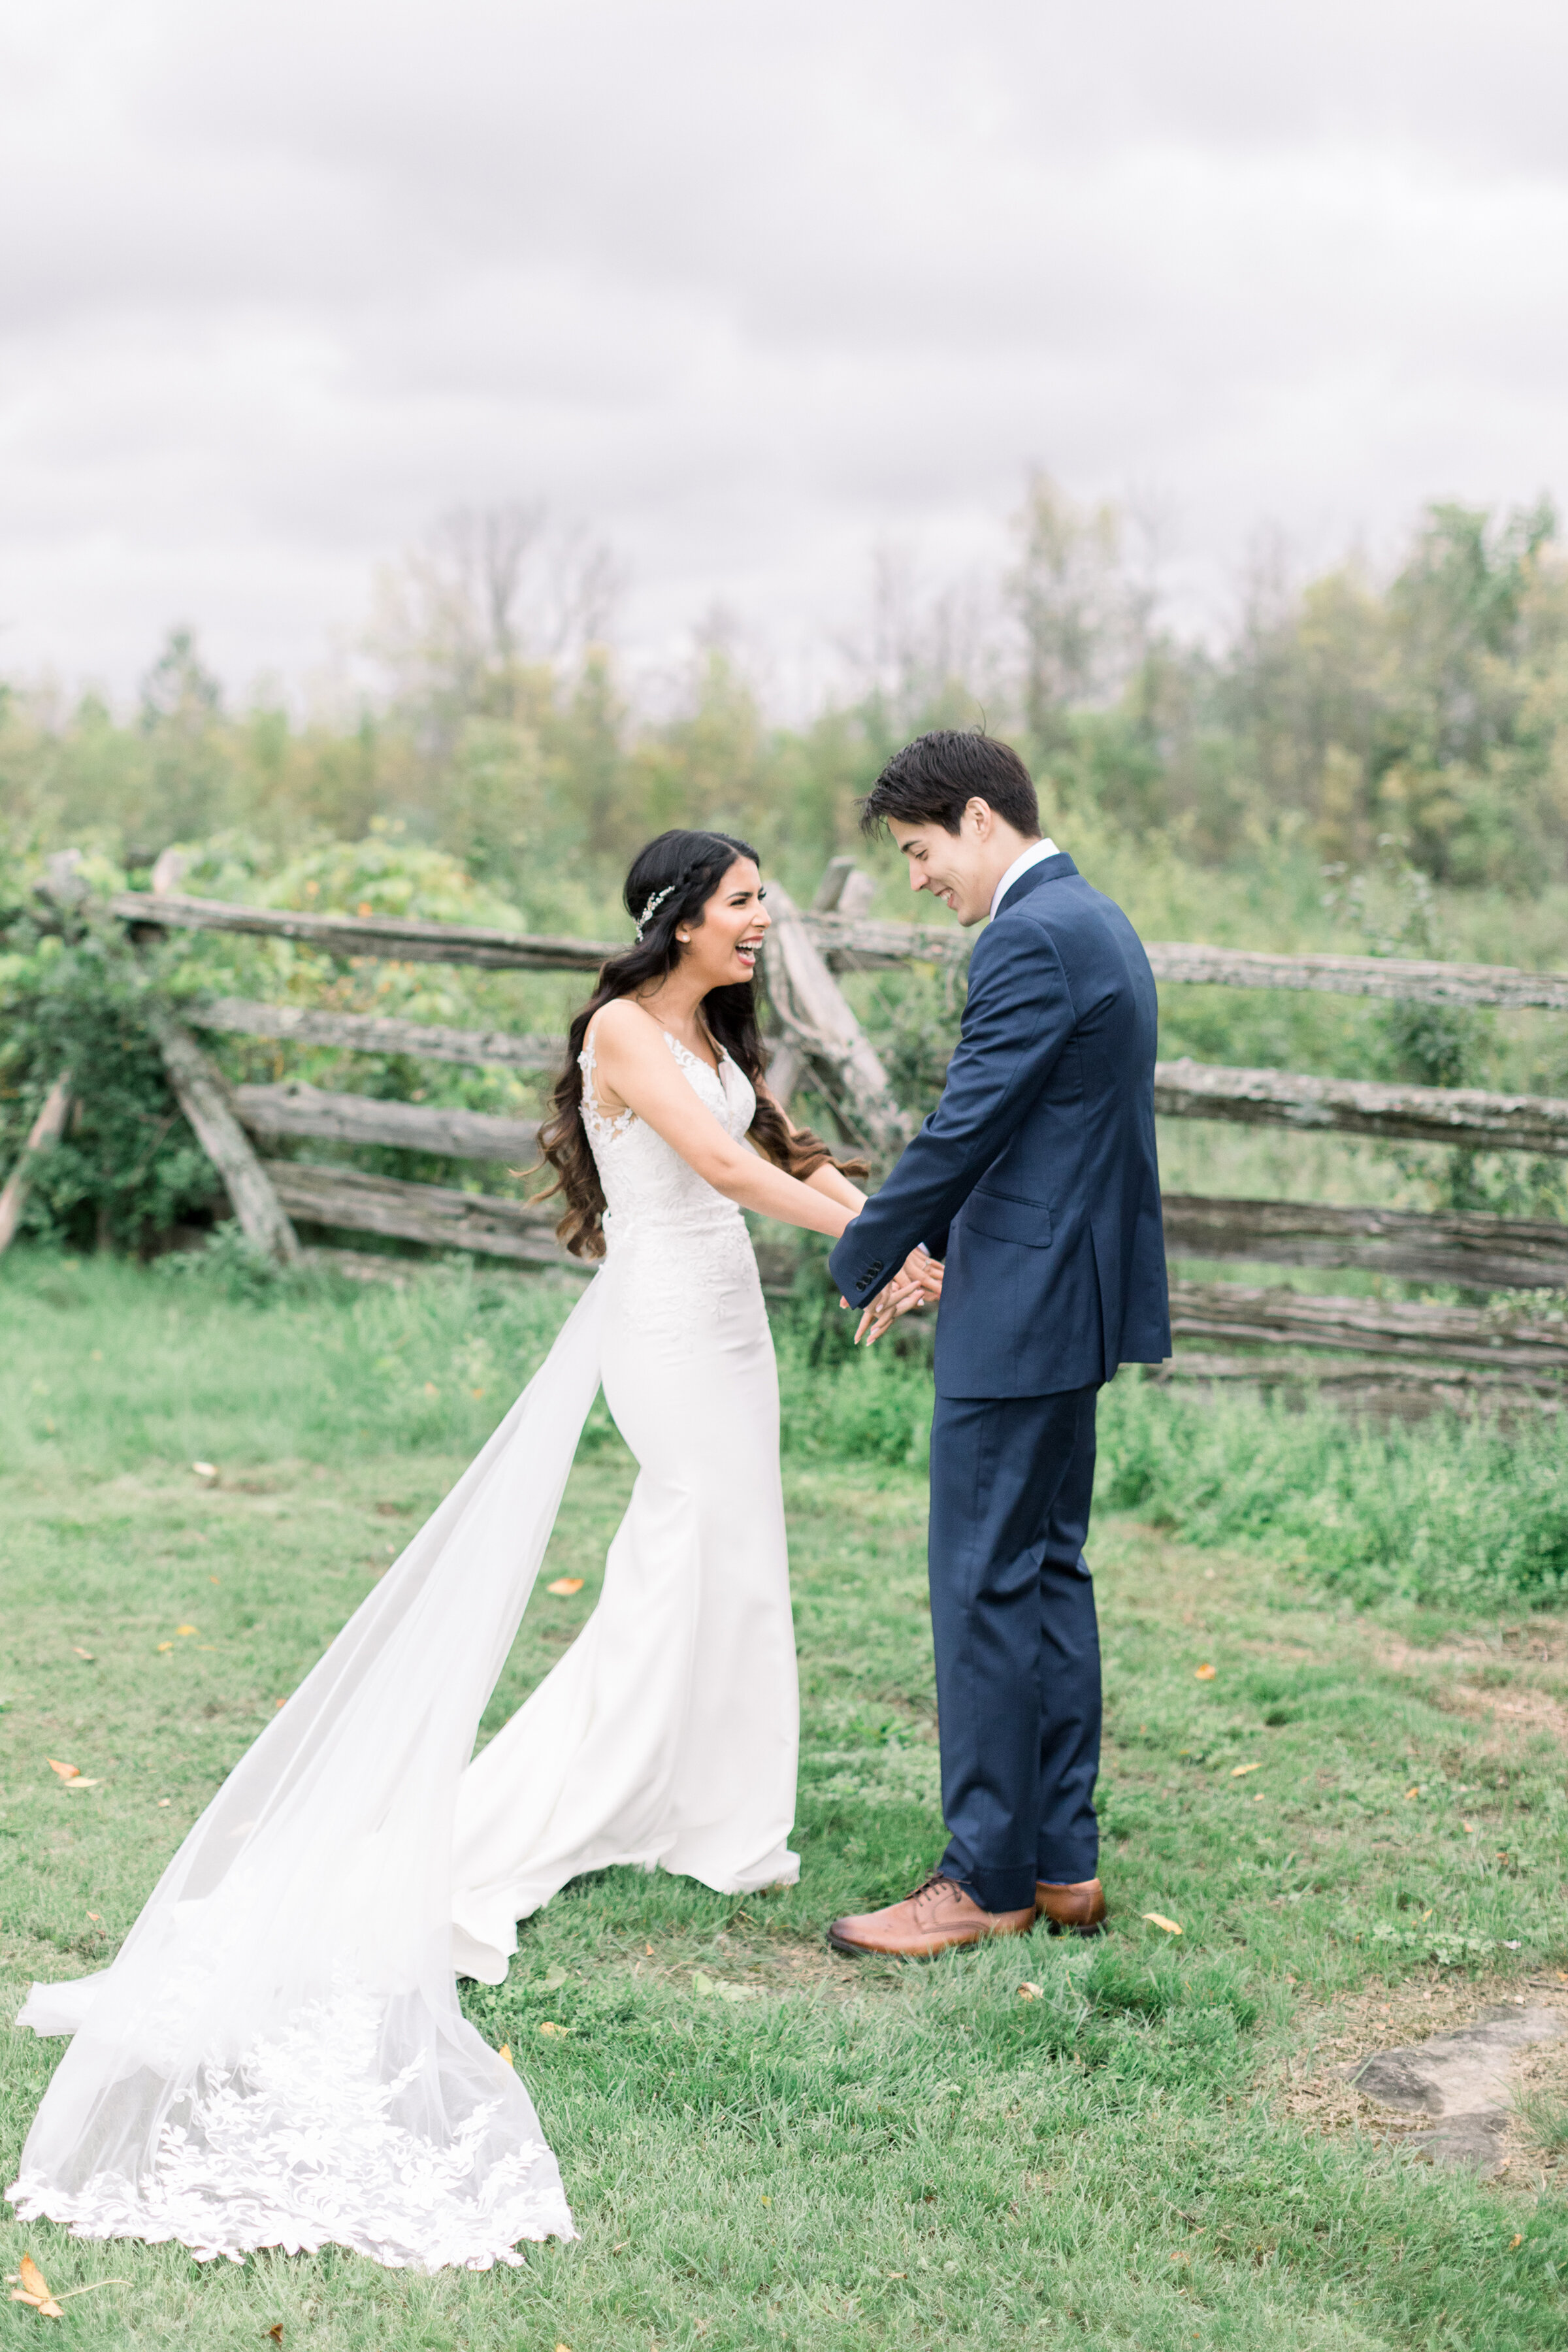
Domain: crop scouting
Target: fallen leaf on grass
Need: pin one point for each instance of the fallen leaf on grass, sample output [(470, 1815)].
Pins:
[(1031, 1992), (32, 2287), (1238, 1772), (77, 1651), (29, 2285), (95, 1916), (561, 2032), (1517, 2240), (79, 1783), (1205, 1673), (504, 2053), (716, 1988), (276, 2332), (66, 1771), (207, 1470), (165, 1645), (1468, 1828), (1158, 1920), (565, 1586), (184, 1629)]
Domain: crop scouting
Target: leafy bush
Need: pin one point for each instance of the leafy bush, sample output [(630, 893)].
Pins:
[(127, 1167)]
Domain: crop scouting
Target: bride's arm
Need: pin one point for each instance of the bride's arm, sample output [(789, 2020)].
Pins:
[(638, 1068), (827, 1178)]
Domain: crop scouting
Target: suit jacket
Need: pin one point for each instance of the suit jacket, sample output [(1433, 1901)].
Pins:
[(1036, 1175)]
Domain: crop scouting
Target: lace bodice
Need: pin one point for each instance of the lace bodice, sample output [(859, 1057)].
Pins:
[(679, 1250), (645, 1179)]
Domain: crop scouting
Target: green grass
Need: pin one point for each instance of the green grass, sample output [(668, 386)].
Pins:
[(808, 2154)]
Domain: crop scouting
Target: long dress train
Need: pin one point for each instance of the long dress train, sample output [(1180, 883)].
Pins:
[(276, 2057)]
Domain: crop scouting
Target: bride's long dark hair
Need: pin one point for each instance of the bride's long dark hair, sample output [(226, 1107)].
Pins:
[(681, 871)]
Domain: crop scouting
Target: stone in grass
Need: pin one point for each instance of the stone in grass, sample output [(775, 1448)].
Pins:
[(1462, 2080)]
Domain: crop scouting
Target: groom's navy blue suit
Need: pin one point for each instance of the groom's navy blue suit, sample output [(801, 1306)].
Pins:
[(1035, 1178)]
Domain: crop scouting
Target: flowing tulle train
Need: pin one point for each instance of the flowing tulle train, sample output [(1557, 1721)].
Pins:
[(277, 2056)]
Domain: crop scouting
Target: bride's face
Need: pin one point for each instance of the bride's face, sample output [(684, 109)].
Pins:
[(721, 948)]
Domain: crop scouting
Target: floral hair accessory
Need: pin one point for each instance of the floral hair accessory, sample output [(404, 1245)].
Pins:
[(654, 904)]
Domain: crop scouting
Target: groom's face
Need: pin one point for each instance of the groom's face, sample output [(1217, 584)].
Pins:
[(956, 867)]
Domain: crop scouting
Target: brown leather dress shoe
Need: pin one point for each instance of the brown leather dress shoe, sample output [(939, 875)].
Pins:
[(934, 1918), (1072, 1910)]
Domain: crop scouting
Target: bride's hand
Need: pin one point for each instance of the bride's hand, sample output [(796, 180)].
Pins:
[(917, 1280)]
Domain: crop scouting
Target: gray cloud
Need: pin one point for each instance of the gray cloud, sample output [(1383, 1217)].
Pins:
[(750, 289)]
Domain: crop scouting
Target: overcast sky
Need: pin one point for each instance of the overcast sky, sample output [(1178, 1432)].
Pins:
[(749, 289)]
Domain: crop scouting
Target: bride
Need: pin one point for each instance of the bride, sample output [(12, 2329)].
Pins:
[(277, 2056)]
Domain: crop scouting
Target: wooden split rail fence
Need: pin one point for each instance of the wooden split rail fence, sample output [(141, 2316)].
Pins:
[(818, 1041)]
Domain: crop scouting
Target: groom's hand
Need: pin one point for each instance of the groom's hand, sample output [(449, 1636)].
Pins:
[(917, 1280)]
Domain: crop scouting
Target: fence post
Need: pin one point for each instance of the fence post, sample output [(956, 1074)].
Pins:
[(203, 1097), (47, 1127), (821, 1032)]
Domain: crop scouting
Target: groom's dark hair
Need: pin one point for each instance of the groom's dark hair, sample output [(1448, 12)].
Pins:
[(933, 780)]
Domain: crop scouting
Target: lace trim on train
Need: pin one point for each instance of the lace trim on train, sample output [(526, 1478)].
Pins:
[(295, 2148)]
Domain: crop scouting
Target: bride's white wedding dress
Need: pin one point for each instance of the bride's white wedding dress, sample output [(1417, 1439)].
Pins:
[(277, 2056), (668, 1733)]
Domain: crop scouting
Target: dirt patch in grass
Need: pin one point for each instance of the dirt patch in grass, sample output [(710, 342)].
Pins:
[(1515, 1677), (1312, 2085)]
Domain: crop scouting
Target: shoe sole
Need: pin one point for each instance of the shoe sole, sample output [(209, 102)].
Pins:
[(932, 1952)]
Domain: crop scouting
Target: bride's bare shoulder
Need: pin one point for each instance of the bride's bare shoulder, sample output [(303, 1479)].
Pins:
[(622, 1027)]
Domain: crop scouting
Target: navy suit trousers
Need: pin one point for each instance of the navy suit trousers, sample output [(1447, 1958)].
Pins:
[(1018, 1646)]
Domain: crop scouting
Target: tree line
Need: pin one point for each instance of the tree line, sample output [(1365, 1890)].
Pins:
[(1423, 713)]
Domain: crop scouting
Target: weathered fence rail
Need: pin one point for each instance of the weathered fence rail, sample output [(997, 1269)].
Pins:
[(404, 940), (294, 1108), (1233, 1310), (371, 1033), (436, 1214), (1473, 1252), (1458, 1114), (851, 943), (1390, 977), (818, 1035)]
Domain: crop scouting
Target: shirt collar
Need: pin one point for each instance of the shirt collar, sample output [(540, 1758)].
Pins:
[(1032, 855)]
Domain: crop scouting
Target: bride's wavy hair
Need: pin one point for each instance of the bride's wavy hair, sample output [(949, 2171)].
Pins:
[(670, 882)]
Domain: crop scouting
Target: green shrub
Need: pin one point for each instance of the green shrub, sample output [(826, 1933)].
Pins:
[(1449, 1508)]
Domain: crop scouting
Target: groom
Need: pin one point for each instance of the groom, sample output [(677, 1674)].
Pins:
[(1035, 1180)]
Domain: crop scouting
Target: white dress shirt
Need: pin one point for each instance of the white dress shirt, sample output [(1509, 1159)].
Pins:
[(1021, 864)]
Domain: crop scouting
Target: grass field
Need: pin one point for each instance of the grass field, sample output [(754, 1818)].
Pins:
[(1357, 1821)]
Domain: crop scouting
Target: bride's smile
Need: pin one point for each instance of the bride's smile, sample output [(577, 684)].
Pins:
[(722, 948)]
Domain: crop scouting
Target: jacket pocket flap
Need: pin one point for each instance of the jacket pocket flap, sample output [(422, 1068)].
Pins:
[(1007, 1219)]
